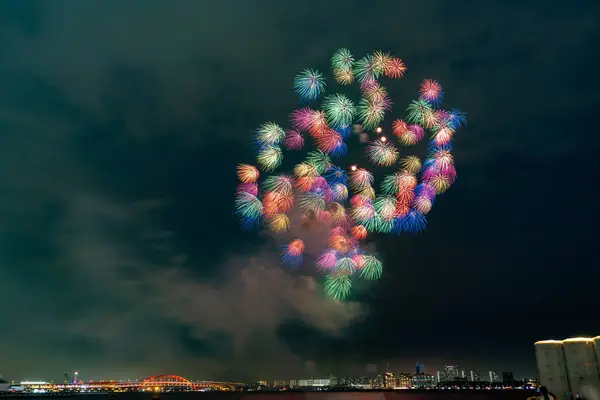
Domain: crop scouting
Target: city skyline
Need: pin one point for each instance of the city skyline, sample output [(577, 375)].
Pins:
[(370, 370), (120, 130)]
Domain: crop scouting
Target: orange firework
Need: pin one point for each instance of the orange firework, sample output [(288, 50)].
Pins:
[(359, 232), (247, 173)]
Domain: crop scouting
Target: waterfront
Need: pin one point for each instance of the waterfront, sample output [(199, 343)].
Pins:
[(316, 395)]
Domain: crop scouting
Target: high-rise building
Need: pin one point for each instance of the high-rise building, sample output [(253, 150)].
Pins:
[(473, 375), (405, 380), (450, 373), (582, 367), (508, 377), (389, 380), (420, 368), (423, 381), (493, 376)]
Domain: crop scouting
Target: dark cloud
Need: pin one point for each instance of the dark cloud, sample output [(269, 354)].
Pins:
[(120, 128)]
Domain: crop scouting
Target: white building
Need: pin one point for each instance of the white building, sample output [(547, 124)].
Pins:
[(316, 382), (597, 348), (552, 367), (493, 376), (582, 367)]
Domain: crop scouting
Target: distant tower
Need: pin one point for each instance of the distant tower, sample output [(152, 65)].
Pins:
[(420, 369), (552, 367), (75, 377)]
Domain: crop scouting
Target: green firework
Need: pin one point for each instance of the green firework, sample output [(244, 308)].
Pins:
[(342, 59), (320, 160), (339, 109), (417, 111), (372, 268), (370, 113), (269, 158), (337, 286)]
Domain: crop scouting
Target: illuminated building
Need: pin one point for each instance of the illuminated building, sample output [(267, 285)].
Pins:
[(316, 382), (405, 381), (420, 368), (493, 376), (423, 381), (582, 368), (552, 367), (389, 380), (280, 383), (450, 373), (473, 376)]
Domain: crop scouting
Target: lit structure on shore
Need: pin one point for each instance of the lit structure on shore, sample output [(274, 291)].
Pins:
[(569, 366)]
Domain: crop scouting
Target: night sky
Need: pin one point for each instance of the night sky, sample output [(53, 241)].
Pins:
[(120, 127)]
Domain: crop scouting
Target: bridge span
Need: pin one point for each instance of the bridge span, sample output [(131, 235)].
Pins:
[(153, 383)]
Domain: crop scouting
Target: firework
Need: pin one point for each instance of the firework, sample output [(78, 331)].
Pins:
[(431, 91), (269, 134), (417, 111), (382, 153), (249, 209), (395, 69), (269, 158), (339, 110), (341, 201), (247, 173), (309, 84), (360, 178), (293, 141), (292, 253), (342, 60), (370, 113), (337, 286), (411, 164)]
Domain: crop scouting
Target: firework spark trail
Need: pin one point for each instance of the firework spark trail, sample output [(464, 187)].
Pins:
[(323, 207)]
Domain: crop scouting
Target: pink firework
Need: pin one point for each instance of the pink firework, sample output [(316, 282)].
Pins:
[(413, 135), (427, 190), (395, 68), (327, 260), (307, 119), (293, 141), (385, 102), (368, 84), (337, 231), (431, 91), (251, 188), (359, 200)]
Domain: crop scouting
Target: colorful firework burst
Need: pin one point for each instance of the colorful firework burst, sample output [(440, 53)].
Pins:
[(342, 203)]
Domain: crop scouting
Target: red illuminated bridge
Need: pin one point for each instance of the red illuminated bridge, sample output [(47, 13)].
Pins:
[(175, 381), (152, 383)]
